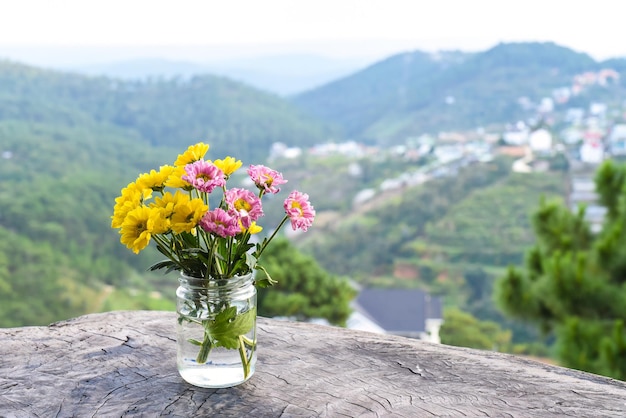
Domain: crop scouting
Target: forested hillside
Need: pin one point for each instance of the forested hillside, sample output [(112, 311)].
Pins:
[(57, 186), (415, 92), (69, 143), (452, 235), (233, 118)]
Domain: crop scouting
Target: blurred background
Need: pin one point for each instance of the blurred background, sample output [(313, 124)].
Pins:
[(464, 159)]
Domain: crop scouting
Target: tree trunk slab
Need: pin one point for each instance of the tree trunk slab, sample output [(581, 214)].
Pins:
[(124, 364)]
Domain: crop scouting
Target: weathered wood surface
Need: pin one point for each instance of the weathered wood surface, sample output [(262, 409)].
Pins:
[(123, 364)]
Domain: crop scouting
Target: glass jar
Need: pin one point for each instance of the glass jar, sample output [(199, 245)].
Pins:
[(216, 330)]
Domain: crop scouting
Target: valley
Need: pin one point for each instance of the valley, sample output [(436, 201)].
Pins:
[(409, 163)]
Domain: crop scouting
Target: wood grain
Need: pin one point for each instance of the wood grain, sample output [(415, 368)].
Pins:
[(123, 364)]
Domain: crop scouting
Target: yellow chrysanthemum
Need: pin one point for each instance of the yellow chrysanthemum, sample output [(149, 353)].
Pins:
[(138, 227), (187, 215), (175, 179), (228, 165), (161, 221), (253, 229), (120, 212), (155, 180), (167, 203), (133, 192), (132, 196), (194, 153), (164, 205)]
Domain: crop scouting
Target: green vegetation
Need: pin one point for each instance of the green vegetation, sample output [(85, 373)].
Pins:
[(233, 118), (70, 143), (573, 284), (452, 236), (362, 243), (491, 226), (304, 290), (464, 330), (60, 257), (412, 93)]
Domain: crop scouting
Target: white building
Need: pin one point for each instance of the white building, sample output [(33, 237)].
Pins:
[(591, 152), (540, 140), (617, 139)]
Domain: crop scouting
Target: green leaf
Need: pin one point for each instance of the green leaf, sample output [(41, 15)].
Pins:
[(267, 281), (160, 265), (227, 326), (195, 342), (251, 260)]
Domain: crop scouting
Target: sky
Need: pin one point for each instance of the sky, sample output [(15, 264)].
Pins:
[(83, 31)]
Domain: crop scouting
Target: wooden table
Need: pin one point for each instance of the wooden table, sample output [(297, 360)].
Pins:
[(123, 364)]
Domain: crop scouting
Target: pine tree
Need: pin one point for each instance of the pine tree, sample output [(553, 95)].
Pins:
[(574, 281)]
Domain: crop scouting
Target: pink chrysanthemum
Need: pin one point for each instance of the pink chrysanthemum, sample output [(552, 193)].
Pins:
[(220, 223), (204, 176), (299, 210), (266, 178), (245, 205)]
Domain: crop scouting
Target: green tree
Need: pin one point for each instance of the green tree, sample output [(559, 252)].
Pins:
[(574, 282), (304, 289), (478, 284), (464, 330)]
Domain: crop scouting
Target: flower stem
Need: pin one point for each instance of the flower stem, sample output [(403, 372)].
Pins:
[(248, 341), (244, 358), (266, 243), (205, 349)]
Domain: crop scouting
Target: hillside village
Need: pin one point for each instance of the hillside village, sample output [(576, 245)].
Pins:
[(588, 135), (488, 137), (556, 136)]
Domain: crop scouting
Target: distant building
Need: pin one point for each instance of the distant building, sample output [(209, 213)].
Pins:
[(363, 196), (562, 94), (591, 152), (522, 165), (447, 153), (349, 148), (546, 105), (571, 135), (409, 313), (280, 150), (598, 109), (575, 115), (617, 140), (583, 192), (607, 76), (514, 151), (540, 140), (515, 137)]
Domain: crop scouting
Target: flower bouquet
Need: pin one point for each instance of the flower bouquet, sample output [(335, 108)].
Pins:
[(204, 229)]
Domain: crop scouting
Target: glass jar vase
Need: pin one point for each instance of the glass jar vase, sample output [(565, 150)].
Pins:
[(216, 330)]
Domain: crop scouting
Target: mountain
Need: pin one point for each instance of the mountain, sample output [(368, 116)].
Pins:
[(69, 143), (281, 74), (140, 69), (618, 64), (416, 92), (234, 118)]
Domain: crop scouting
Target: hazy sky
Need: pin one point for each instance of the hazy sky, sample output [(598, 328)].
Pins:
[(337, 28)]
